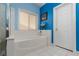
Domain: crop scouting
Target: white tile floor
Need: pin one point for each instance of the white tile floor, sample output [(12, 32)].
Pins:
[(52, 51)]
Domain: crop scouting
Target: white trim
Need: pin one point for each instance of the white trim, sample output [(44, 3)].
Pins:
[(59, 5), (8, 18), (11, 19), (30, 12), (74, 18)]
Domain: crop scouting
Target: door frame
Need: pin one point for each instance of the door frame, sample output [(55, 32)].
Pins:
[(74, 20)]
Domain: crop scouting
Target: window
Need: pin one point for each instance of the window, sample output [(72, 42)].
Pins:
[(24, 18), (32, 23), (27, 21)]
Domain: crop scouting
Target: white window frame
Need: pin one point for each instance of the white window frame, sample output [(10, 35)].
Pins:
[(30, 12)]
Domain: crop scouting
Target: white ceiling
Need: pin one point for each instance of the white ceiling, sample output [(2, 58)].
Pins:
[(39, 4)]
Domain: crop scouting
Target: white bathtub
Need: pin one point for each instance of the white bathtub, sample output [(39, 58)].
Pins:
[(25, 47), (27, 42)]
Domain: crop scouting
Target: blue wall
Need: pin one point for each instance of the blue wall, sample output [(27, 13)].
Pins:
[(77, 26), (27, 6), (49, 9)]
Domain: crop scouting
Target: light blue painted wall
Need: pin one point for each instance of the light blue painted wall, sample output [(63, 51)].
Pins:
[(27, 6)]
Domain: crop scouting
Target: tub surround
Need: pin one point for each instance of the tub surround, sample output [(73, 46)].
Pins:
[(27, 41)]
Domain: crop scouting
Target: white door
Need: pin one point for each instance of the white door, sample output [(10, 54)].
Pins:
[(64, 26)]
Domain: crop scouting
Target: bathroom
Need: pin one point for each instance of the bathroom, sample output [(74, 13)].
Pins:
[(24, 36)]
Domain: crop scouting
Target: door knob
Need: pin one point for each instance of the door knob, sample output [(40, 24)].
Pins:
[(56, 29)]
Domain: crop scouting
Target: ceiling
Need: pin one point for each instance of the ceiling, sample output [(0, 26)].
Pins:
[(39, 4)]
